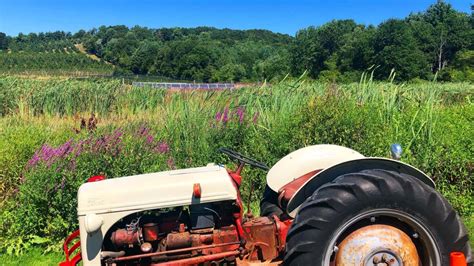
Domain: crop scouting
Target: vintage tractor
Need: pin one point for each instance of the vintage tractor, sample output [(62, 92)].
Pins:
[(323, 205)]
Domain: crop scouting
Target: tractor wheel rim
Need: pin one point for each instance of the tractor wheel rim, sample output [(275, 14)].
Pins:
[(431, 254), (381, 245)]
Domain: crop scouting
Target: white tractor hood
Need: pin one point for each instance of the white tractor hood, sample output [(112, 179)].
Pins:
[(156, 190)]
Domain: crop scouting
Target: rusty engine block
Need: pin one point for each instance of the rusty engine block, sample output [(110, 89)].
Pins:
[(201, 232)]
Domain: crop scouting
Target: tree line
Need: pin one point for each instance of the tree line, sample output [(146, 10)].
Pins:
[(436, 43)]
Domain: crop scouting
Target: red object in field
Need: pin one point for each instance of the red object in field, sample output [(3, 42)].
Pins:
[(457, 259), (96, 178), (197, 190), (69, 251)]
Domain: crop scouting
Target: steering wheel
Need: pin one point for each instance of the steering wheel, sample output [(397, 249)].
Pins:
[(244, 159)]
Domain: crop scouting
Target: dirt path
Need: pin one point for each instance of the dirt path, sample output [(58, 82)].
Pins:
[(80, 48)]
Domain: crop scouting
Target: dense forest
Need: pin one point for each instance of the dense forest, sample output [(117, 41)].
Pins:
[(437, 43)]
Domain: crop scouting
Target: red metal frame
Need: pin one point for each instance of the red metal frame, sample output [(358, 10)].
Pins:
[(236, 179), (173, 251), (200, 259), (69, 251), (96, 178)]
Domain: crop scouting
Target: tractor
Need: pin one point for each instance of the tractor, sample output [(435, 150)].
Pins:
[(322, 205)]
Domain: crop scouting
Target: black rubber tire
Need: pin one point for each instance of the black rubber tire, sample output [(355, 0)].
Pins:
[(269, 203), (334, 204)]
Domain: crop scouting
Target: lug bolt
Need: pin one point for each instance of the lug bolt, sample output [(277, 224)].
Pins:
[(146, 247)]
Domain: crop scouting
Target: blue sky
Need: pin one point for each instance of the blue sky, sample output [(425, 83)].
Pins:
[(276, 15)]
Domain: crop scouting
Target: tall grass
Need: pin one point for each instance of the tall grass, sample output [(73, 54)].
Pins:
[(432, 121)]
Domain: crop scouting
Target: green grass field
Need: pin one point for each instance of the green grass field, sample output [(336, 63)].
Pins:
[(46, 151), (34, 256)]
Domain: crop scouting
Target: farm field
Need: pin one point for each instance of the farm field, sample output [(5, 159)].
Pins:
[(44, 64), (113, 90), (56, 133)]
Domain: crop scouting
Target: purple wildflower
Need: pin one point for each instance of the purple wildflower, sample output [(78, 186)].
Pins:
[(47, 152), (78, 148), (112, 141), (117, 134), (143, 130), (64, 149), (149, 139), (225, 117), (162, 147), (99, 145), (170, 163), (34, 160), (218, 116), (240, 112)]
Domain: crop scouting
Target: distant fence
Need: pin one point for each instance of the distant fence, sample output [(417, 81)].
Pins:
[(185, 86)]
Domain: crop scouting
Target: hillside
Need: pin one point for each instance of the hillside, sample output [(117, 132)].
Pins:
[(433, 44), (59, 63)]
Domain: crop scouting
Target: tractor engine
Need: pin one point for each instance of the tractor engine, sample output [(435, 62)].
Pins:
[(194, 231)]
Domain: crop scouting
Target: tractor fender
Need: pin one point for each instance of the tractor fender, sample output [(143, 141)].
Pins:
[(305, 160), (329, 174)]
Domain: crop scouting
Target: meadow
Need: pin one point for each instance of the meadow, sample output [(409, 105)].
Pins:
[(56, 133)]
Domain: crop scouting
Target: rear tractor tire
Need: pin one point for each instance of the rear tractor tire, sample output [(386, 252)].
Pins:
[(376, 217)]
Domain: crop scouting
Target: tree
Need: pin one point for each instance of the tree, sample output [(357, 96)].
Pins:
[(441, 32), (357, 53), (274, 67), (229, 72), (396, 48), (436, 40), (144, 57), (314, 46), (79, 35), (462, 68), (3, 41)]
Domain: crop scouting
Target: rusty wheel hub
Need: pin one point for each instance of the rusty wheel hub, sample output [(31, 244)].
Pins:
[(384, 258), (377, 245)]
